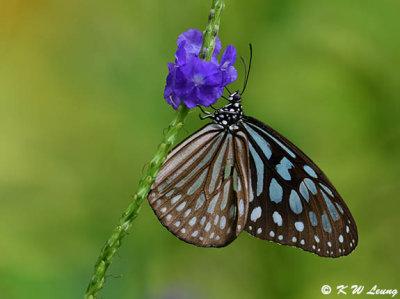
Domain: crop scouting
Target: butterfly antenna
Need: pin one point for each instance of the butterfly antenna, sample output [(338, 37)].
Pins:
[(227, 89), (247, 70), (225, 98)]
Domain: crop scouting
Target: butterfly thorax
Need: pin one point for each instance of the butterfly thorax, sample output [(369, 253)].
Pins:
[(231, 113)]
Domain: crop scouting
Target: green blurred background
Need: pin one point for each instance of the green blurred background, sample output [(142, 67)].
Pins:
[(81, 113)]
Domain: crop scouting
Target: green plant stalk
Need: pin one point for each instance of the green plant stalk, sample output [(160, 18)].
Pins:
[(211, 32), (125, 223)]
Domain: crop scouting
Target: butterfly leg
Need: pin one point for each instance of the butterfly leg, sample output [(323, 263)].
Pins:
[(207, 114)]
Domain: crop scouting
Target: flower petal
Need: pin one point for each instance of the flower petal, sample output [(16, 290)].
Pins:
[(194, 40), (209, 96), (218, 47), (169, 91), (199, 82), (180, 55), (191, 100), (171, 98), (229, 75), (214, 74), (228, 57)]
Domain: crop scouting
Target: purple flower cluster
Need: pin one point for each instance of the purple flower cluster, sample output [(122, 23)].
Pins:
[(193, 80)]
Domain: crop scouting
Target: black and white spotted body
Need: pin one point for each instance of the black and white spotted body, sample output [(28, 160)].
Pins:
[(231, 113)]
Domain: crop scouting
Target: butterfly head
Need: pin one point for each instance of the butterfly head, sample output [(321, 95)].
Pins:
[(235, 97)]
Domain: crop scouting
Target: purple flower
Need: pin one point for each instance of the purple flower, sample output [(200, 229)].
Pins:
[(228, 59), (198, 82), (194, 41), (195, 81)]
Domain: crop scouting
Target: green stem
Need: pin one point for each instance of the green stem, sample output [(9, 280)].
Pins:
[(211, 32), (114, 242)]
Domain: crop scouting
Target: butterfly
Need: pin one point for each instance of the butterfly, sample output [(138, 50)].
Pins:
[(237, 173)]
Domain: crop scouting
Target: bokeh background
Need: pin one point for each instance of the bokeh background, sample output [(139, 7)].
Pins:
[(82, 112)]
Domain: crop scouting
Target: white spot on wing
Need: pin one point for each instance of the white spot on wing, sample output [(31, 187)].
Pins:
[(200, 201), (304, 192), (310, 185), (181, 206), (241, 207), (283, 168), (313, 218), (299, 225), (295, 202), (222, 222), (340, 238), (212, 204), (175, 199), (192, 221), (310, 171), (170, 193), (326, 225), (216, 220), (275, 191), (327, 190), (187, 212), (255, 214), (277, 218)]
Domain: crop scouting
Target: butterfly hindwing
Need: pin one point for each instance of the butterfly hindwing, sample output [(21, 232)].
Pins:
[(291, 201), (201, 191)]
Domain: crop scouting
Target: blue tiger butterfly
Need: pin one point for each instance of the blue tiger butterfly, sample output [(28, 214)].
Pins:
[(236, 173)]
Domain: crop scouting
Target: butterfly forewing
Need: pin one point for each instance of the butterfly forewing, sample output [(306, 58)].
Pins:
[(201, 191), (291, 201)]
